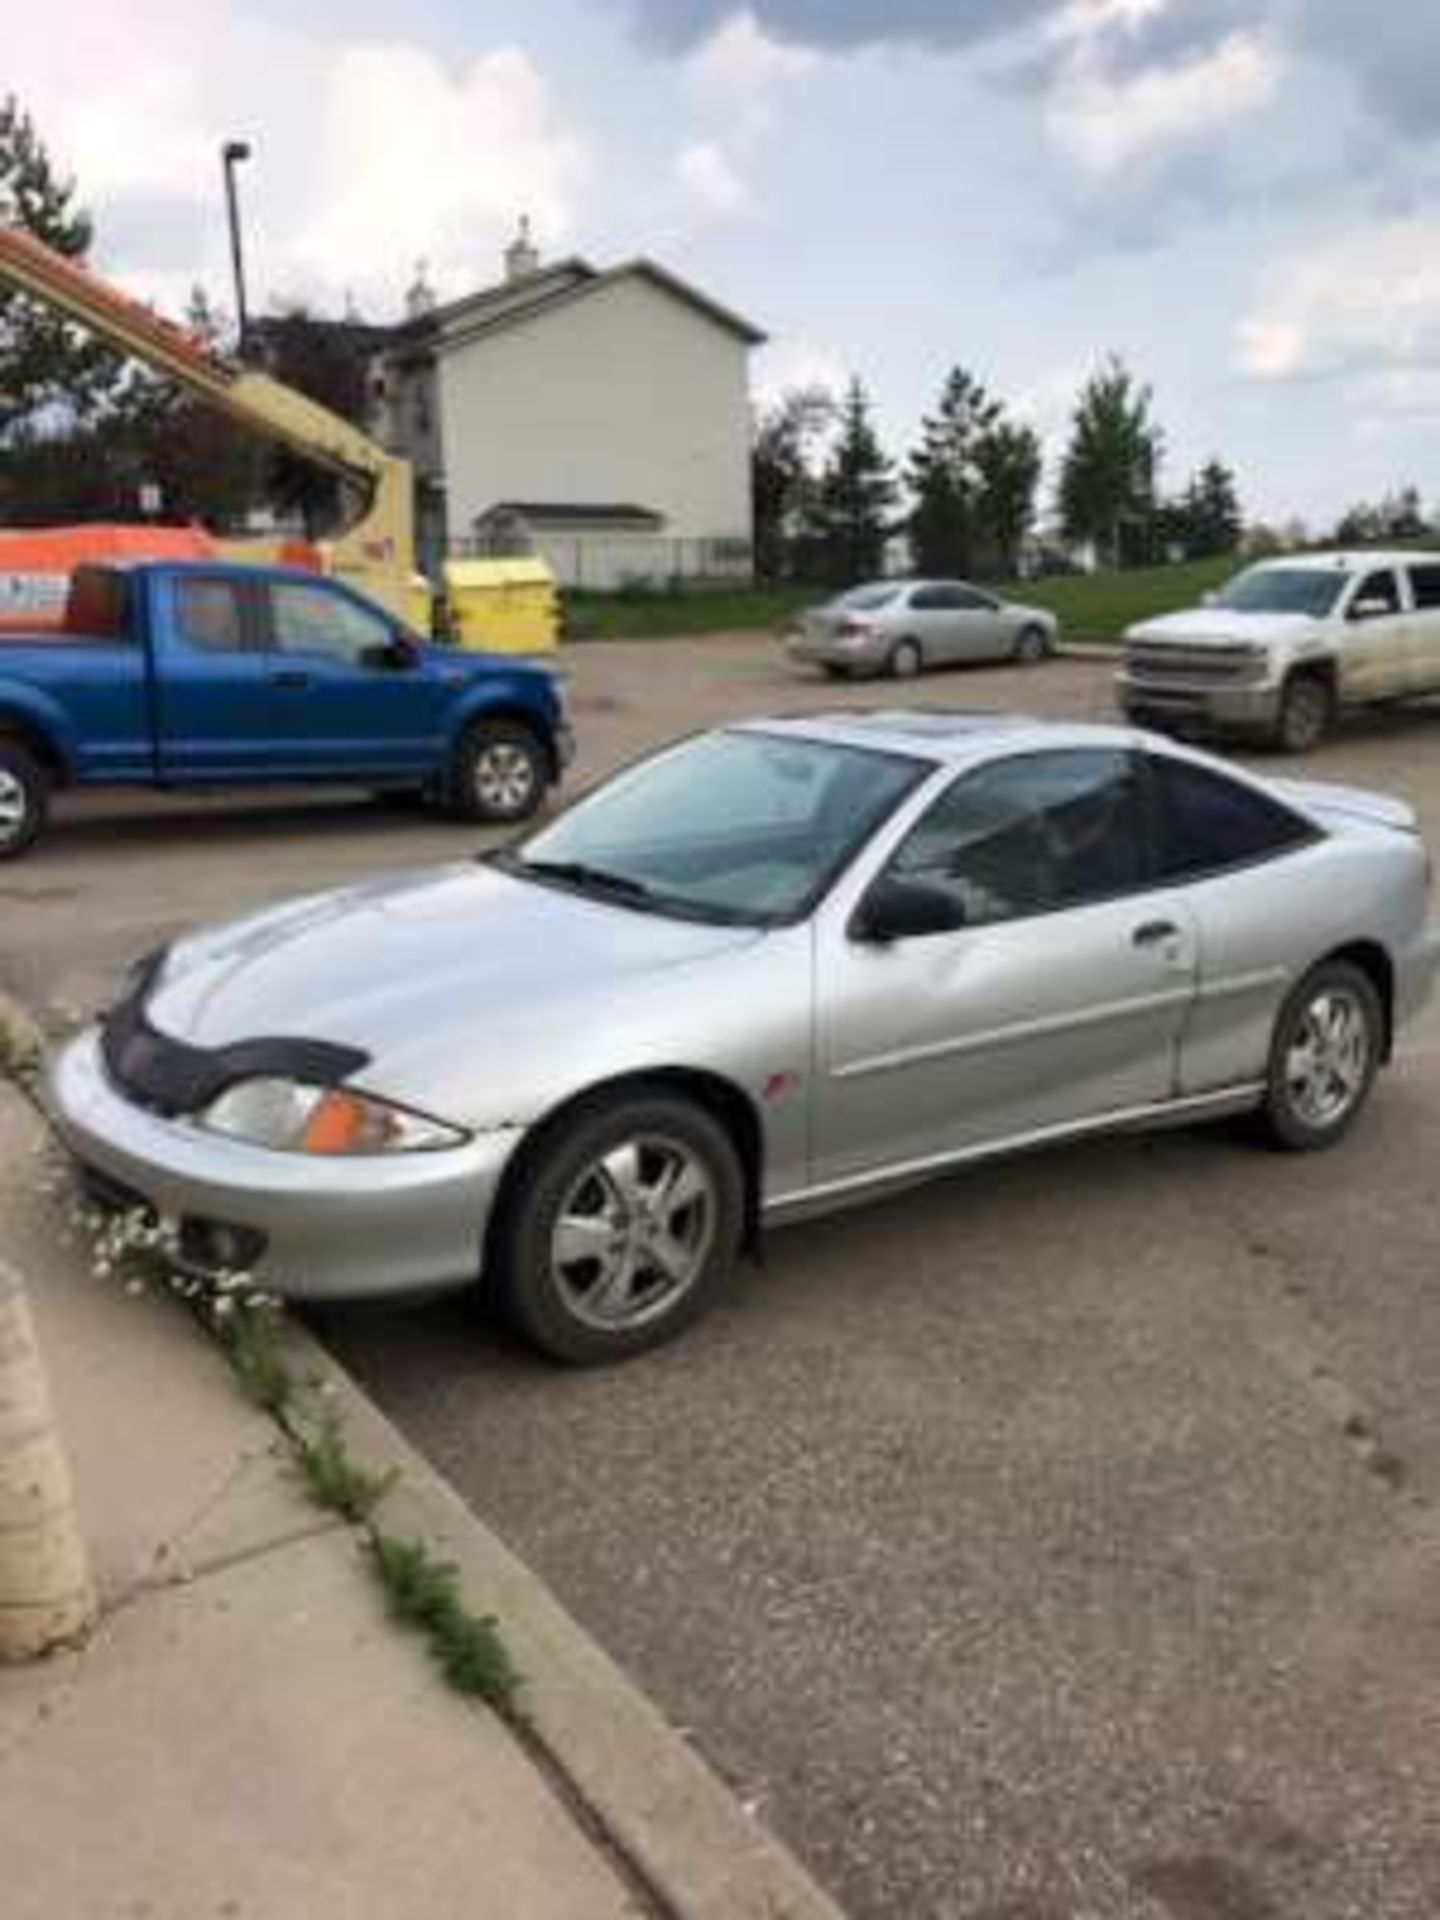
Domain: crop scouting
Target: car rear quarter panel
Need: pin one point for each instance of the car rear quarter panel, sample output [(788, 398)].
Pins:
[(1263, 928)]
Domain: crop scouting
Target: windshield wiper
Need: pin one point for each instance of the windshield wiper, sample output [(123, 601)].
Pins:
[(578, 873)]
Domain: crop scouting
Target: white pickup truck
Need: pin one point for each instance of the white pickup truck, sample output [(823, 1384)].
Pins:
[(1287, 644)]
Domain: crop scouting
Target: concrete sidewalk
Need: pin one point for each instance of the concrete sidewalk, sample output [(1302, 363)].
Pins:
[(248, 1734)]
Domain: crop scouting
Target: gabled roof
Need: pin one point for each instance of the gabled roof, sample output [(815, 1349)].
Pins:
[(515, 301)]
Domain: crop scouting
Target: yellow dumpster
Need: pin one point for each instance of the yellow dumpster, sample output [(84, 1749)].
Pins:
[(419, 605), (503, 606)]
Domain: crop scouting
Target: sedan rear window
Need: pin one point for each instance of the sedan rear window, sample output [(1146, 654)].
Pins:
[(866, 599), (1205, 823)]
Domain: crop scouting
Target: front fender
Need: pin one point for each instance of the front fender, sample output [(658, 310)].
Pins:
[(511, 697), (32, 711)]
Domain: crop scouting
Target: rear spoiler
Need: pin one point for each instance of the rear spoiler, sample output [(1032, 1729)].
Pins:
[(1331, 801)]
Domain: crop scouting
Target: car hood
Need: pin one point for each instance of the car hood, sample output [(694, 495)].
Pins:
[(1220, 627), (420, 970)]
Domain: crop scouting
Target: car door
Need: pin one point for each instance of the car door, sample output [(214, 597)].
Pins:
[(1374, 644), (1255, 881), (349, 694), (210, 686), (962, 622), (929, 616), (1424, 624), (1060, 999)]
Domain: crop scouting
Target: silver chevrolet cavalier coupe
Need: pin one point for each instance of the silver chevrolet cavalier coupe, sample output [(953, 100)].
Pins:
[(766, 970)]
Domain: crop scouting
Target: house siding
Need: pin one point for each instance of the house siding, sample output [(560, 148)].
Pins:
[(627, 393)]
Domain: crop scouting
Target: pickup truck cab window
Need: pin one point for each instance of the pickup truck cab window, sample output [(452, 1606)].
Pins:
[(1377, 589), (209, 613), (306, 619)]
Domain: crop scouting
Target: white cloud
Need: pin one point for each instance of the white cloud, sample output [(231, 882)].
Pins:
[(797, 362), (366, 158), (1366, 303), (709, 187), (1104, 119), (741, 54), (479, 147)]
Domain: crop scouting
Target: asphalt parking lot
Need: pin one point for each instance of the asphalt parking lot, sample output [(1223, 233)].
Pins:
[(1057, 1542)]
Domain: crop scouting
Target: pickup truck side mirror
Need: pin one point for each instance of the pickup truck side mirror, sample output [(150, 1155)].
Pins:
[(397, 655), (1372, 607), (897, 908)]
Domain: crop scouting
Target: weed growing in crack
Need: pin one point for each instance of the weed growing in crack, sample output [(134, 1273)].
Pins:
[(333, 1480), (424, 1592)]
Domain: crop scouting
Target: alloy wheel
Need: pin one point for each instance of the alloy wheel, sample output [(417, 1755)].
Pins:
[(633, 1233), (504, 778), (14, 807), (1327, 1062)]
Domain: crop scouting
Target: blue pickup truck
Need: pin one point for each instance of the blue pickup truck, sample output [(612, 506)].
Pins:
[(187, 674)]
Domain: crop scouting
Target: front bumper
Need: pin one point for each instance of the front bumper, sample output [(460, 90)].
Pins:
[(1241, 709), (1416, 972), (333, 1228)]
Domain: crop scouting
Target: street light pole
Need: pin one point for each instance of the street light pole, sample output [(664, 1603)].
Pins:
[(231, 154)]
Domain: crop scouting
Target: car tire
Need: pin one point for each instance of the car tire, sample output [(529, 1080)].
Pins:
[(24, 799), (1325, 1052), (904, 660), (1305, 713), (499, 775), (1032, 645), (575, 1253)]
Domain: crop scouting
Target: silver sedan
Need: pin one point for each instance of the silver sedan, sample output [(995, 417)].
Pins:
[(900, 627), (769, 969)]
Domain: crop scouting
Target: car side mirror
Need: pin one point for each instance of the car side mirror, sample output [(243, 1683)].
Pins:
[(897, 908), (1370, 608), (396, 655)]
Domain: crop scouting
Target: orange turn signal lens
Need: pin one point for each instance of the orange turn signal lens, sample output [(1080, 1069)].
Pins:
[(343, 1123)]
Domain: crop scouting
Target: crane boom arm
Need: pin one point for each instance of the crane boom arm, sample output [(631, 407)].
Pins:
[(247, 396), (376, 549)]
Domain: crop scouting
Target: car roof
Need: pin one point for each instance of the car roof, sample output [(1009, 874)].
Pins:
[(948, 736), (1351, 560)]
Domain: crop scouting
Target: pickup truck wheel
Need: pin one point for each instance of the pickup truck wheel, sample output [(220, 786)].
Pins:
[(24, 799), (500, 773), (1306, 709)]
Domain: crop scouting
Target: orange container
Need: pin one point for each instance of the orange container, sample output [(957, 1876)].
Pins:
[(35, 567)]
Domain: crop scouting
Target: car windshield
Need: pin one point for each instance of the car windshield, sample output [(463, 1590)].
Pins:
[(879, 593), (1309, 590), (742, 827)]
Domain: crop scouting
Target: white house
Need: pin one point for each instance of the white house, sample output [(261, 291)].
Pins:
[(600, 414)]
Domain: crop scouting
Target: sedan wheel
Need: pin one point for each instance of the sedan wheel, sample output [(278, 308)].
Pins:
[(620, 1230), (1324, 1056), (1032, 644), (905, 660)]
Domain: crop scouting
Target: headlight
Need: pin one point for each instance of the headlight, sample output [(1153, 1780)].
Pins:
[(294, 1117)]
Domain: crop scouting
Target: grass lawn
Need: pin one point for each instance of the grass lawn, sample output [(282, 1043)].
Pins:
[(1095, 606)]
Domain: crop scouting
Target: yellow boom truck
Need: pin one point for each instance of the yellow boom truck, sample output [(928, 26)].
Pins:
[(375, 550)]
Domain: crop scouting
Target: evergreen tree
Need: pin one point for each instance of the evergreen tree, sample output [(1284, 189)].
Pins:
[(946, 480), (1008, 460), (855, 498), (52, 375), (1209, 515), (1111, 466), (782, 475)]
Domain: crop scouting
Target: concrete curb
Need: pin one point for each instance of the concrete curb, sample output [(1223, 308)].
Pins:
[(1090, 650), (675, 1827), (678, 1829)]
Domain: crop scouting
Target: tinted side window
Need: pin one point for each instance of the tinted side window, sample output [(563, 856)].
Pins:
[(305, 619), (1205, 822), (1031, 834), (210, 614), (1378, 586), (932, 599), (1425, 583)]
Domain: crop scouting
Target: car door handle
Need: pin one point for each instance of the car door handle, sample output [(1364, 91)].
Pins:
[(292, 677), (1152, 932)]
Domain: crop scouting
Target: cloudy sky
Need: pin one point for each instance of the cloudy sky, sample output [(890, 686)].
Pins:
[(1240, 196)]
